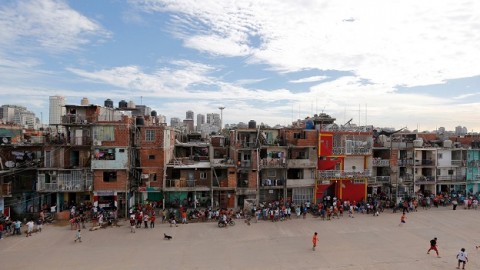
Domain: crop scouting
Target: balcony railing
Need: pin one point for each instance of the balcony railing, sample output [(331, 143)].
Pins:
[(222, 162), (72, 181), (424, 162), (423, 178), (301, 163), (77, 119), (381, 162), (187, 183), (382, 179), (334, 174), (272, 182), (456, 178), (273, 163), (458, 162), (405, 162)]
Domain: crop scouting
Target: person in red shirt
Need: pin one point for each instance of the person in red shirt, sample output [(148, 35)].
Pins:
[(152, 221), (314, 240)]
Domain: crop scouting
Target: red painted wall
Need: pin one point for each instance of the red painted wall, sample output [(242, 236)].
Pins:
[(350, 191)]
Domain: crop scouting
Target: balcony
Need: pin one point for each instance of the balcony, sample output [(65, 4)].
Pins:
[(458, 163), (424, 162), (382, 179), (334, 174), (425, 178), (291, 183), (405, 162), (451, 178), (74, 119), (381, 162), (272, 163), (272, 182), (222, 162), (6, 190), (301, 163), (188, 184), (68, 181)]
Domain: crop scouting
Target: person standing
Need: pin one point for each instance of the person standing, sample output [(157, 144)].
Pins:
[(1, 230), (132, 224), (30, 225), (152, 221), (39, 224), (402, 219), (462, 258), (433, 246), (314, 240), (78, 236)]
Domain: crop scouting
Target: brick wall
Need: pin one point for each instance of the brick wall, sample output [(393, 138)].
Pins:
[(99, 184)]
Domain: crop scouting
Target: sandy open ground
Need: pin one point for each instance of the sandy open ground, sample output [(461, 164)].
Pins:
[(364, 242)]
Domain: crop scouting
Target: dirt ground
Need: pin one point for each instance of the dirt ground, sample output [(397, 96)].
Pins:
[(363, 242)]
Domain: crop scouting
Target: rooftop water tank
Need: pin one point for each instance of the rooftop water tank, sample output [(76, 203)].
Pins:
[(122, 104), (140, 121), (131, 105), (108, 103), (309, 124), (252, 124), (153, 113), (418, 142), (447, 144), (84, 101)]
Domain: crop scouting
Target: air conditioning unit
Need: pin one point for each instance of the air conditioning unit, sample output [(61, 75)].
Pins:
[(145, 176), (97, 143)]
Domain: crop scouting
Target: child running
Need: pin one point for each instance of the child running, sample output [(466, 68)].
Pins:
[(78, 236)]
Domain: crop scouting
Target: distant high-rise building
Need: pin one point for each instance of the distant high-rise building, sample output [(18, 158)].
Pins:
[(214, 119), (189, 115), (18, 115), (175, 121), (56, 110), (200, 121), (188, 123), (460, 131)]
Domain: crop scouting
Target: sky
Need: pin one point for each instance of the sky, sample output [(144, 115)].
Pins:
[(410, 63)]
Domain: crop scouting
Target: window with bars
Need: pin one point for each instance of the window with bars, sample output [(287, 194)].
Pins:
[(302, 195), (150, 135)]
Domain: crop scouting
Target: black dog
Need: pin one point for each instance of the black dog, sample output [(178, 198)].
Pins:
[(167, 237)]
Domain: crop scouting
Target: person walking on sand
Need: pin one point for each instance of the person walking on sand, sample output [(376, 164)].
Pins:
[(462, 258), (314, 240), (402, 219), (433, 246)]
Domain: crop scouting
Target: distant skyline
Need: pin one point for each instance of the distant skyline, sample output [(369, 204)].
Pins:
[(413, 64)]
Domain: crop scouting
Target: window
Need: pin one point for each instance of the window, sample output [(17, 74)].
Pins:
[(151, 157), (440, 155), (357, 181), (203, 175), (150, 135), (104, 133), (109, 176), (104, 154), (272, 173)]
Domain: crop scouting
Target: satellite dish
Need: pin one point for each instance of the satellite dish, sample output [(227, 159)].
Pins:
[(10, 164)]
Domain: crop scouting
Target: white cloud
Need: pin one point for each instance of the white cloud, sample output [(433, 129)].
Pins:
[(467, 95), (310, 79), (407, 43), (47, 24)]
